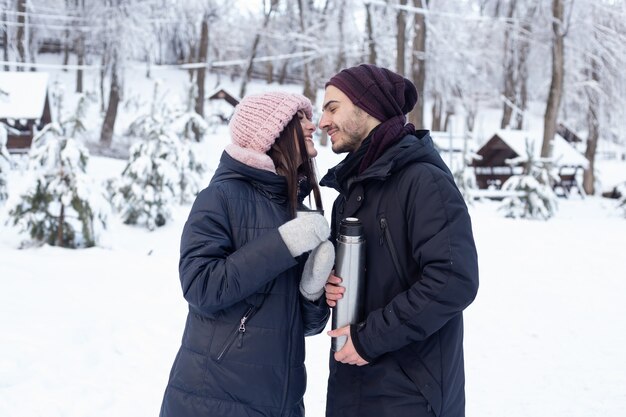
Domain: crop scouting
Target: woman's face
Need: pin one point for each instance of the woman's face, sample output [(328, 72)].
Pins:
[(308, 127)]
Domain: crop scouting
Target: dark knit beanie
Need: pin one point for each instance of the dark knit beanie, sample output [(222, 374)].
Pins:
[(383, 94)]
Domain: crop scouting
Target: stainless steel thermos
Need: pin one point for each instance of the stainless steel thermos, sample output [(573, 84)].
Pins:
[(350, 267)]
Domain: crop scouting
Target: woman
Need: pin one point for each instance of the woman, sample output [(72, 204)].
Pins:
[(241, 270)]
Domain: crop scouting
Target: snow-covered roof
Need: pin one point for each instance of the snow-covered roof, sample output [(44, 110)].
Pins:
[(562, 152), (22, 94)]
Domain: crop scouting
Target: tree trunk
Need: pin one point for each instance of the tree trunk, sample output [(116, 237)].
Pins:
[(556, 84), (437, 111), (108, 126), (309, 88), (60, 242), (21, 30), (509, 69), (80, 60), (202, 58), (5, 41), (522, 68), (371, 44), (103, 64), (418, 66), (66, 49), (255, 45), (341, 54), (400, 39), (593, 124)]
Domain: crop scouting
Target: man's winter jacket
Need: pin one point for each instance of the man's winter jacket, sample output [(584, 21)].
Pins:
[(242, 350), (421, 272)]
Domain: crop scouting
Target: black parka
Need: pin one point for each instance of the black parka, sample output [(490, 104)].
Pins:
[(421, 272), (234, 264)]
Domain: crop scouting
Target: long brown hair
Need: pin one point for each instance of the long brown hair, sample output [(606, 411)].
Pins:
[(284, 154)]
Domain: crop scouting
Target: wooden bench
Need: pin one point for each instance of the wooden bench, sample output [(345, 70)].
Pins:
[(567, 180)]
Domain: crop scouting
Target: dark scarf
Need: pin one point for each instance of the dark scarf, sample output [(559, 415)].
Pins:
[(350, 167), (384, 136)]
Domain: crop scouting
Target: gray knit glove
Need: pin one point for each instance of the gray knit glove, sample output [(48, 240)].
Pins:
[(305, 233), (316, 271)]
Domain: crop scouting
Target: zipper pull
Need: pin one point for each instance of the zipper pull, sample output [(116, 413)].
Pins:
[(383, 226), (242, 327)]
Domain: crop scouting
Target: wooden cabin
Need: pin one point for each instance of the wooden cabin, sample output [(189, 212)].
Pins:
[(24, 107), (492, 170), (222, 105), (222, 94)]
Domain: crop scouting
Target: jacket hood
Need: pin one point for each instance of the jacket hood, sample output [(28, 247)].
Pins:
[(416, 148)]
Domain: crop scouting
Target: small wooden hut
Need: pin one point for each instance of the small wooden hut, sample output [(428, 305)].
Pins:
[(24, 107), (492, 170)]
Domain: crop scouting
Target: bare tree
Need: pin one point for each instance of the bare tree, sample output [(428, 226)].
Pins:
[(202, 58), (418, 64), (556, 84), (80, 47), (106, 134), (400, 38), (593, 125), (255, 45), (5, 35), (21, 31), (309, 87), (371, 43), (341, 54), (509, 67)]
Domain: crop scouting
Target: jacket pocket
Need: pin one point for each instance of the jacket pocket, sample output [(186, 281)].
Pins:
[(386, 238), (236, 335), (416, 370)]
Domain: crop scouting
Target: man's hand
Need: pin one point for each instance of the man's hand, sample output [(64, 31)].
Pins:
[(333, 290), (347, 354)]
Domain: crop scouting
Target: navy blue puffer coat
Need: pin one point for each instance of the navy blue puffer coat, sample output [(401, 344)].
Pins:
[(421, 273), (242, 351)]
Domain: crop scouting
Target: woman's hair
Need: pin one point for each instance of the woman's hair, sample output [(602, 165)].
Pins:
[(284, 154)]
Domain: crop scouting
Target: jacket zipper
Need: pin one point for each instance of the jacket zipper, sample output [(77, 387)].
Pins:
[(239, 331), (386, 237)]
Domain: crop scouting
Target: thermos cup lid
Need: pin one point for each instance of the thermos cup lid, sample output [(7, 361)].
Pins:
[(351, 226)]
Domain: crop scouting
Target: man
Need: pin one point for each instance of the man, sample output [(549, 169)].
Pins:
[(405, 357)]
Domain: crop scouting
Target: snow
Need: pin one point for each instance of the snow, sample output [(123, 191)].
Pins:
[(562, 152), (22, 94), (94, 332)]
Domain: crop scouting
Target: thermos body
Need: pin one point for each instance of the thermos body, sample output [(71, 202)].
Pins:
[(350, 267)]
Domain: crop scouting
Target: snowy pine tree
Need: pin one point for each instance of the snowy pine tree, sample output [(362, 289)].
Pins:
[(189, 126), (147, 190), (535, 199), (152, 178), (5, 163), (465, 177), (163, 165), (62, 206)]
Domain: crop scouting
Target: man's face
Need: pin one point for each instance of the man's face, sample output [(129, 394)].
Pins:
[(345, 123)]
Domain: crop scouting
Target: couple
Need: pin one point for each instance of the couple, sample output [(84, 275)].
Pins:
[(257, 275)]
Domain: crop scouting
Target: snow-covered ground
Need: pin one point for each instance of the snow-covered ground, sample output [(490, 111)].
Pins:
[(93, 332)]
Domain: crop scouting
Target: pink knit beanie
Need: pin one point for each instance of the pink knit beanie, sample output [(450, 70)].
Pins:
[(258, 121)]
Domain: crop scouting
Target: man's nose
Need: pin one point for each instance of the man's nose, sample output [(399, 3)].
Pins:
[(324, 122)]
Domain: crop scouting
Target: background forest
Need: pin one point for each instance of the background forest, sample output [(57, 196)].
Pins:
[(463, 55)]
